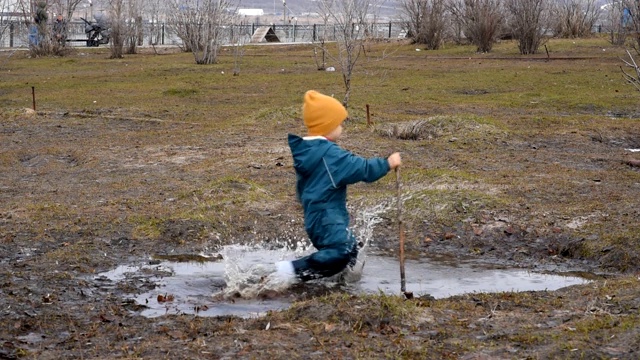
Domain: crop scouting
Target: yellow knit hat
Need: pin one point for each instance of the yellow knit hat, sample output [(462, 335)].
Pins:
[(322, 113)]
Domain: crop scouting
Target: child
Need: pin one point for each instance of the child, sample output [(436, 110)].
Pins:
[(323, 171)]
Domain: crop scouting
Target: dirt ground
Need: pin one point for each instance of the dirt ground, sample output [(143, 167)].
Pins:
[(72, 183)]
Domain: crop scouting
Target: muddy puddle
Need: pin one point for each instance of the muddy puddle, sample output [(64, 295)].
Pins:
[(209, 286)]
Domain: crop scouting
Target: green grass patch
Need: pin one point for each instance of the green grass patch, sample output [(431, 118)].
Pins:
[(180, 92), (146, 227), (234, 190), (448, 206), (224, 198)]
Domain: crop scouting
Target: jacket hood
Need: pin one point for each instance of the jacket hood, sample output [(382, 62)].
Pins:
[(307, 154)]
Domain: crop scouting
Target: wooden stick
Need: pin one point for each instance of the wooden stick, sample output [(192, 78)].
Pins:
[(403, 287)]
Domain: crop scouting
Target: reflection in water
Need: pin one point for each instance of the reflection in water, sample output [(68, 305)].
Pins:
[(443, 280)]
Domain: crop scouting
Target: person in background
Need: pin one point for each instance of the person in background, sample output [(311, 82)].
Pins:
[(60, 31)]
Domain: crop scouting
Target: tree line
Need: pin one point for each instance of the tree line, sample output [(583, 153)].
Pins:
[(529, 22), (429, 22)]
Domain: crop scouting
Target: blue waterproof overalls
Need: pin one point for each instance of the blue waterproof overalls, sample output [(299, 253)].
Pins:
[(323, 172)]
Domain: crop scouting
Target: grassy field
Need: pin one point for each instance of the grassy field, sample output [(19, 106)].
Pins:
[(517, 161), (583, 77)]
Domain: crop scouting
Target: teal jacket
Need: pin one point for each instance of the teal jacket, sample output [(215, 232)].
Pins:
[(323, 171)]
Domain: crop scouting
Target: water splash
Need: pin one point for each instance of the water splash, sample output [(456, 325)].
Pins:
[(363, 224), (249, 270), (365, 221)]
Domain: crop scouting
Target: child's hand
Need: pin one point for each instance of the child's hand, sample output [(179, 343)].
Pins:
[(394, 160)]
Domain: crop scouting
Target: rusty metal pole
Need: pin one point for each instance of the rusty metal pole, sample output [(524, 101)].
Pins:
[(368, 117), (403, 287)]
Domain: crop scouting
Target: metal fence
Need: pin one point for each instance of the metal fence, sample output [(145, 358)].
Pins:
[(15, 34)]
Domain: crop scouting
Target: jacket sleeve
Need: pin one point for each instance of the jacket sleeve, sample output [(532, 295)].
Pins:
[(346, 168)]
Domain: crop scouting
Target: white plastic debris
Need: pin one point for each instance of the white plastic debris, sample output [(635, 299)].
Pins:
[(331, 68)]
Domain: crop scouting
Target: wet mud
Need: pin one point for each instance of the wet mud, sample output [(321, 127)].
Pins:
[(84, 197)]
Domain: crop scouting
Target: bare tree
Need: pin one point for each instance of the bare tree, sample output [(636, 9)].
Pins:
[(45, 37), (325, 15), (134, 33), (633, 79), (125, 26), (118, 27), (481, 21), (618, 22), (426, 20), (351, 20), (201, 26), (237, 42), (64, 7), (153, 9), (575, 18), (5, 7), (48, 33), (631, 19), (41, 36), (527, 21)]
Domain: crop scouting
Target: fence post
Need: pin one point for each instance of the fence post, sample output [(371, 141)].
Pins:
[(314, 33), (162, 42), (11, 33), (389, 29)]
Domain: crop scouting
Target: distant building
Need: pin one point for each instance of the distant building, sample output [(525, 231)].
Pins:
[(251, 12)]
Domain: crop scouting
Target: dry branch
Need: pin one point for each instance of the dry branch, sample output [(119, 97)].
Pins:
[(630, 78)]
